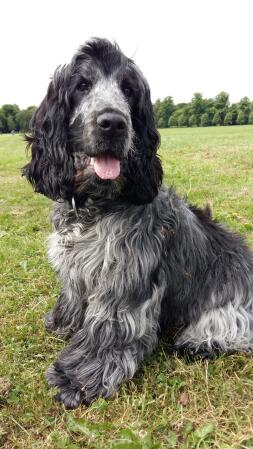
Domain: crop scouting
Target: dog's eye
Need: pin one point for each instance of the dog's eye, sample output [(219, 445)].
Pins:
[(84, 85), (127, 91)]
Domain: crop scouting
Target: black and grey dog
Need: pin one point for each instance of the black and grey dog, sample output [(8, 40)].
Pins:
[(134, 259)]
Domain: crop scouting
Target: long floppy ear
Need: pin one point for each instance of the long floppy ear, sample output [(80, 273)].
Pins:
[(51, 170), (144, 171)]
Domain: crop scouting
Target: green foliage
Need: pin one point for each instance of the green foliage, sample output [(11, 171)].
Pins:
[(198, 112), (182, 120), (228, 120), (234, 111), (202, 112), (163, 110), (217, 119), (221, 101), (251, 118), (241, 118), (197, 106), (173, 122), (193, 121), (245, 106), (204, 120), (24, 117), (8, 114), (11, 123), (14, 119), (221, 104), (126, 438)]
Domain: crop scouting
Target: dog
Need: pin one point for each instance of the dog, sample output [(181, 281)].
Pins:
[(135, 261)]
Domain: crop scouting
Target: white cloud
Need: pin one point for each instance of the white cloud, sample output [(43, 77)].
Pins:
[(182, 46)]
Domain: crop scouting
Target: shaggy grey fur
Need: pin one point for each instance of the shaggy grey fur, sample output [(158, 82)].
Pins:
[(125, 271), (105, 274), (135, 261)]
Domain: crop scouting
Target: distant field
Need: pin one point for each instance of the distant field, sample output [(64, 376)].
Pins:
[(170, 403), (213, 165)]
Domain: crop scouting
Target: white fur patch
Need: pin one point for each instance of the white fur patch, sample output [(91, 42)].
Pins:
[(105, 94), (229, 327)]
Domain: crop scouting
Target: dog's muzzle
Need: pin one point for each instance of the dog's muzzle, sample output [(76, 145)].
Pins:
[(112, 124), (112, 130)]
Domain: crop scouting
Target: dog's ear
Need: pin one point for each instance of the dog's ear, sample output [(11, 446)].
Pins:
[(144, 171), (51, 170)]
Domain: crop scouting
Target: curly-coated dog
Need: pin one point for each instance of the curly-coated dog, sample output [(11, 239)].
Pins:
[(135, 260)]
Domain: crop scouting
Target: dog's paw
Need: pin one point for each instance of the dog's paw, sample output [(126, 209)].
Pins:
[(190, 354), (70, 396), (52, 326), (56, 377), (49, 321)]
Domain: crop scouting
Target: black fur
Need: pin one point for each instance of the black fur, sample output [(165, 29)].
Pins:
[(135, 260), (143, 173), (51, 170)]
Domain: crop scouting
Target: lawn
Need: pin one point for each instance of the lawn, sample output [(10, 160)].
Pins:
[(170, 403)]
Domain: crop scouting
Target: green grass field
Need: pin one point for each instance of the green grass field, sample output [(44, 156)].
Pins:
[(170, 403)]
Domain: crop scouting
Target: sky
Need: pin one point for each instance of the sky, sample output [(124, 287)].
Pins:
[(182, 46)]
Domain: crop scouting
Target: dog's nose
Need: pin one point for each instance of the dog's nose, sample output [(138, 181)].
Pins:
[(111, 123)]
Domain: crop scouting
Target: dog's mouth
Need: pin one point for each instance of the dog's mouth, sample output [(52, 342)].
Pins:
[(106, 165)]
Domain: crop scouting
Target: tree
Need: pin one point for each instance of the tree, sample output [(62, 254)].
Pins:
[(244, 105), (160, 123), (3, 119), (204, 120), (3, 122), (251, 118), (221, 104), (23, 118), (182, 120), (234, 111), (192, 120), (163, 110), (156, 109), (221, 101), (11, 123), (217, 119), (199, 111), (228, 120), (173, 123), (197, 106), (241, 118), (8, 114)]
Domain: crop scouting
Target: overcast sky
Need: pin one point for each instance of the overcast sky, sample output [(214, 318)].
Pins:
[(182, 46)]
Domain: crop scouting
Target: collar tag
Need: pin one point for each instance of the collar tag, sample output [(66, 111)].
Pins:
[(74, 206)]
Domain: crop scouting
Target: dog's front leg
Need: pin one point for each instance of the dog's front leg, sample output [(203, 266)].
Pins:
[(68, 314), (106, 351)]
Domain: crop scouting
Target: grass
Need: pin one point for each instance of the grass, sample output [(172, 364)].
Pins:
[(170, 403)]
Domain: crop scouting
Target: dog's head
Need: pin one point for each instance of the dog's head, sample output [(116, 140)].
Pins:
[(94, 132)]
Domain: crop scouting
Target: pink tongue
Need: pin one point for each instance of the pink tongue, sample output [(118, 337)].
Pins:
[(106, 166)]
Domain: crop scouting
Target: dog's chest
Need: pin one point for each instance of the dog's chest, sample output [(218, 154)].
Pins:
[(80, 245), (103, 253)]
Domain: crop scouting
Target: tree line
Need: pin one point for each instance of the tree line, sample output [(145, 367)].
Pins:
[(199, 111), (202, 111), (14, 119)]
